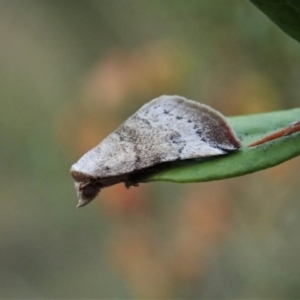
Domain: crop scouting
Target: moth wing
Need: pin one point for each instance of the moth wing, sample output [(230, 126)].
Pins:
[(167, 128), (175, 113), (171, 127), (109, 158)]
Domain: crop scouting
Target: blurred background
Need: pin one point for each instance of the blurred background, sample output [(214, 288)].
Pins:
[(71, 72)]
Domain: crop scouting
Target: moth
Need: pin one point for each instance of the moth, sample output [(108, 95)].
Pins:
[(166, 129)]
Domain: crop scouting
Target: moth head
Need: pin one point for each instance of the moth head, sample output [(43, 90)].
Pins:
[(86, 192), (87, 188)]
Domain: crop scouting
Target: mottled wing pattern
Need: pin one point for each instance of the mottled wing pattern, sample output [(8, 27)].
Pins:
[(166, 129)]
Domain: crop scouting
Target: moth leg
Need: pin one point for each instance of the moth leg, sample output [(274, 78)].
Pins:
[(83, 185), (128, 183)]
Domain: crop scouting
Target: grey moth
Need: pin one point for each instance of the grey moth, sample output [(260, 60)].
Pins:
[(166, 129)]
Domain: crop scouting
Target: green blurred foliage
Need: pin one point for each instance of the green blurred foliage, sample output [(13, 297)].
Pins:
[(71, 72), (284, 13)]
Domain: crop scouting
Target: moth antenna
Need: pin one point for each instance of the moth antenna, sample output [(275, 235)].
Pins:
[(292, 128)]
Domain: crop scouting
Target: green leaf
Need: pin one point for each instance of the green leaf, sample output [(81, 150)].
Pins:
[(244, 161), (284, 13)]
